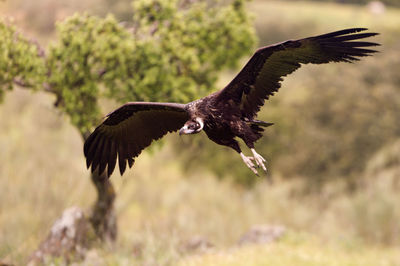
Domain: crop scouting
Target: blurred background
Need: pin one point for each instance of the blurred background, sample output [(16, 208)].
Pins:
[(333, 156)]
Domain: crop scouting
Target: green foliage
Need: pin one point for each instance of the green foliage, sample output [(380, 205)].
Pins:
[(90, 52), (173, 52), (20, 60), (195, 42)]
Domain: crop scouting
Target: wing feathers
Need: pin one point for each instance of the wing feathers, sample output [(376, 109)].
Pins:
[(350, 44), (112, 157), (90, 148), (121, 160), (130, 162), (128, 130), (341, 32), (261, 76), (104, 155), (97, 154), (348, 37)]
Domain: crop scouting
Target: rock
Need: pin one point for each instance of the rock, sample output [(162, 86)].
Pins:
[(3, 263), (92, 258), (262, 234), (68, 238), (376, 7), (197, 244)]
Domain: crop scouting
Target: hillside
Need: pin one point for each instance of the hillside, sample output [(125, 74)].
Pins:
[(161, 206)]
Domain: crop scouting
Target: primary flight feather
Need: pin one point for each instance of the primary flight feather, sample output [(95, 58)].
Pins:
[(223, 115)]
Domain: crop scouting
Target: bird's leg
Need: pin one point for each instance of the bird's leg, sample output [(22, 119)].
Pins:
[(248, 161), (259, 159)]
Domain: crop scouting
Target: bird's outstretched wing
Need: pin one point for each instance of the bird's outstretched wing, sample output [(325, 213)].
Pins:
[(261, 76), (128, 130)]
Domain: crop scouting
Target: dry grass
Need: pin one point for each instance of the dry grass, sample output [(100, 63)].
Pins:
[(159, 209), (41, 171), (293, 250)]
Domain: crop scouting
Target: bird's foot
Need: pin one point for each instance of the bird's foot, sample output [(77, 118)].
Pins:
[(259, 160), (249, 162)]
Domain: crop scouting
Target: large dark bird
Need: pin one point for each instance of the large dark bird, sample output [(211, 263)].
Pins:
[(223, 115)]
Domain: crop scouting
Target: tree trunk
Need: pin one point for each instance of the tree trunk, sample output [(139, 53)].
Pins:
[(103, 217)]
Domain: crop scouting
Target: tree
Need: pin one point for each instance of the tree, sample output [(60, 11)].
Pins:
[(170, 51)]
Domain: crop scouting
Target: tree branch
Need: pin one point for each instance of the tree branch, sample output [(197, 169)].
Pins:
[(19, 82)]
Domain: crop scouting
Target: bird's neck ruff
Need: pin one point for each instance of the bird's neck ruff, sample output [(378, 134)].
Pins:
[(201, 122)]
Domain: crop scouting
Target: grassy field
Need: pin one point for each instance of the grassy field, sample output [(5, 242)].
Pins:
[(299, 251), (160, 208)]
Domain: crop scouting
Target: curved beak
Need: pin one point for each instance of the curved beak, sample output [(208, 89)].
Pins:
[(183, 130)]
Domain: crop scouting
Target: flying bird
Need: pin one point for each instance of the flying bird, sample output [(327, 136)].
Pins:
[(224, 115)]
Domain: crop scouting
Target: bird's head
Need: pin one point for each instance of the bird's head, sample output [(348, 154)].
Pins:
[(192, 126)]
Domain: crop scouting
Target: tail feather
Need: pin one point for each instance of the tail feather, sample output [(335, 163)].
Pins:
[(260, 123)]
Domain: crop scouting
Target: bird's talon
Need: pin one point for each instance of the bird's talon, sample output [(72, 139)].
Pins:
[(259, 160), (250, 164)]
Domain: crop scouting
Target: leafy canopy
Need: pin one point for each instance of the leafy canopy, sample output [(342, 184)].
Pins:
[(172, 50), (20, 60)]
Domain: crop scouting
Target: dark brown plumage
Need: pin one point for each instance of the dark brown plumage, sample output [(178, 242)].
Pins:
[(130, 129), (223, 115)]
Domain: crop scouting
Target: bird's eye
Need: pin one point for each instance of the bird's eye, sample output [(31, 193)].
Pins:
[(194, 126)]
